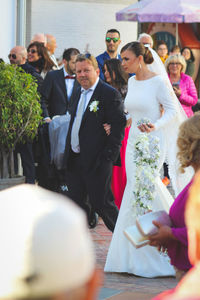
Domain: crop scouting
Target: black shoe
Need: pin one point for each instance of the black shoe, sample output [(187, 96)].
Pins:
[(93, 220)]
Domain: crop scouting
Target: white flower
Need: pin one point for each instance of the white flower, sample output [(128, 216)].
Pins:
[(94, 106), (146, 157)]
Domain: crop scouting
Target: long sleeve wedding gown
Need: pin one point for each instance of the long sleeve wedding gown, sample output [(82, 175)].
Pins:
[(142, 101)]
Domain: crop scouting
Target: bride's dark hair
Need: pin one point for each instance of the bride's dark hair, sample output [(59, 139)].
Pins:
[(139, 49)]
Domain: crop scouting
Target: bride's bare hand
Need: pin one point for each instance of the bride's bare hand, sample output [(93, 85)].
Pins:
[(146, 127)]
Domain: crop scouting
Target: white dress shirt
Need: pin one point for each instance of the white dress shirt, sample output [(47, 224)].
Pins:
[(90, 93), (69, 83), (88, 97)]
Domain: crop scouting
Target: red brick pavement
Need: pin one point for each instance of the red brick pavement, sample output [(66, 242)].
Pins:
[(125, 285)]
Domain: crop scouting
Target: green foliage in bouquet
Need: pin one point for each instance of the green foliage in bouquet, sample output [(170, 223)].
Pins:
[(20, 113)]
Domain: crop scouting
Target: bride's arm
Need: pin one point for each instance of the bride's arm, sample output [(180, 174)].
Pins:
[(166, 98)]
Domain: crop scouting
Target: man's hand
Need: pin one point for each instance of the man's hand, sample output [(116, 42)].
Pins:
[(107, 128), (128, 122), (47, 120)]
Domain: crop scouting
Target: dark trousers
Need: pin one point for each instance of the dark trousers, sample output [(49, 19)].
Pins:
[(91, 189), (28, 164), (166, 172)]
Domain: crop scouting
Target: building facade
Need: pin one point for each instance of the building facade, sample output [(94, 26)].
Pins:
[(76, 23), (79, 23)]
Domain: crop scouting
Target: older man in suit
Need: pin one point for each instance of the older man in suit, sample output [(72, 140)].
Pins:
[(18, 56), (59, 85), (90, 152)]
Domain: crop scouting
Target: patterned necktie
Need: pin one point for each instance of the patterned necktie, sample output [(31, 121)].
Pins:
[(78, 119)]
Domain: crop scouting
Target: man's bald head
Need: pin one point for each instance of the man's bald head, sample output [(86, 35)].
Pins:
[(40, 37), (51, 43), (18, 55)]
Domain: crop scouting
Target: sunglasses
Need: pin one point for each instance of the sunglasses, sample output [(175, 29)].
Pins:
[(87, 55), (32, 51), (12, 55), (115, 40)]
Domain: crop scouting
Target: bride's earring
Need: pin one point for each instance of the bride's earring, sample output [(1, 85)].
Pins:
[(140, 66)]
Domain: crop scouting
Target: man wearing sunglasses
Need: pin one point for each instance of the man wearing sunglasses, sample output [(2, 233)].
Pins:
[(112, 43), (18, 56)]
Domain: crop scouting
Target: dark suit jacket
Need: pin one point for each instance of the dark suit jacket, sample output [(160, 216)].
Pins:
[(31, 70), (54, 99), (95, 146)]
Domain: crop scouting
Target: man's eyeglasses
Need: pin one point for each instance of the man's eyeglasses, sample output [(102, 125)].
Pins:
[(115, 40), (12, 55), (32, 51)]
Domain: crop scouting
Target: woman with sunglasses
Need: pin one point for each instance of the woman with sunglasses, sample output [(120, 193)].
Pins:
[(183, 84), (38, 57), (115, 76)]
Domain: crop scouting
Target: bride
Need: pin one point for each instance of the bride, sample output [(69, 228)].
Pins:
[(147, 91)]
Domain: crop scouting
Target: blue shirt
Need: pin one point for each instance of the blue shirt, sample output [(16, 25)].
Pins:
[(100, 59)]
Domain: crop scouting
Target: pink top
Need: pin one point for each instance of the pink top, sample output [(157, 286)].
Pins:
[(188, 96), (178, 250)]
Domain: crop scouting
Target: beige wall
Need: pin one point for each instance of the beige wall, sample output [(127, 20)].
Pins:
[(80, 23)]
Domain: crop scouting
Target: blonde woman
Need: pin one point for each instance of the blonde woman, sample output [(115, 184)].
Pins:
[(183, 84), (174, 238)]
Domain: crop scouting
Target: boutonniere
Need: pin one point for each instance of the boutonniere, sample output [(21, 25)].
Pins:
[(94, 106)]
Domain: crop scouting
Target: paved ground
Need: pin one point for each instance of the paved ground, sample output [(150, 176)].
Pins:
[(124, 286)]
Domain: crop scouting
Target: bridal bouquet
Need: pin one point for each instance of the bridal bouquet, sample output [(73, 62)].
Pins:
[(146, 158)]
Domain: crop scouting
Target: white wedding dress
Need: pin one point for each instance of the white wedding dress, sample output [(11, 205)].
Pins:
[(143, 101)]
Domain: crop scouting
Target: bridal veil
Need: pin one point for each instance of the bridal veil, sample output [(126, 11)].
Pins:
[(179, 180)]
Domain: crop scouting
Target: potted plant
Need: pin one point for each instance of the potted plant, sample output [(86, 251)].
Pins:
[(20, 115)]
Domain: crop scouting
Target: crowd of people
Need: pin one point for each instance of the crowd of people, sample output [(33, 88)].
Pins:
[(113, 99)]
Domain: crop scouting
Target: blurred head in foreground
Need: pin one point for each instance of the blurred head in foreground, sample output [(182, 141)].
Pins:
[(189, 143), (46, 250)]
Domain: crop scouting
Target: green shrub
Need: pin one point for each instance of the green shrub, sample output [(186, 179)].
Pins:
[(20, 113)]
